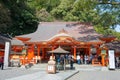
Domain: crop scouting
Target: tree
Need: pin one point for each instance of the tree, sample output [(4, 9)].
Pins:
[(24, 20), (5, 19), (109, 15), (61, 11), (103, 14)]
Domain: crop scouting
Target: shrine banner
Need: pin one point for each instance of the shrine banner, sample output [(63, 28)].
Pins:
[(111, 59), (6, 54)]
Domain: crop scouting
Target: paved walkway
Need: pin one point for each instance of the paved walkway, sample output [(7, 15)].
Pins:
[(38, 72), (96, 75), (43, 75)]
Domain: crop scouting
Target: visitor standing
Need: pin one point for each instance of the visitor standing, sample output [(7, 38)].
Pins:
[(86, 59), (1, 63), (82, 59), (78, 59), (69, 58), (71, 63), (66, 58)]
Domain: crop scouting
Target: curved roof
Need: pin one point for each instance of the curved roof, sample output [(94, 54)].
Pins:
[(59, 50), (15, 41), (49, 30), (61, 34), (115, 45), (4, 38)]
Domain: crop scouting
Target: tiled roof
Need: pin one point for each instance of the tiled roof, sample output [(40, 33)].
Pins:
[(17, 42), (115, 45), (4, 38), (77, 30), (59, 50)]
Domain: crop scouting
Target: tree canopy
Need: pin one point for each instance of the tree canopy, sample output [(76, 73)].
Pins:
[(20, 17), (25, 14)]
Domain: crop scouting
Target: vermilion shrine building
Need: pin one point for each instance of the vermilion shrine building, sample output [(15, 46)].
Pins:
[(74, 37)]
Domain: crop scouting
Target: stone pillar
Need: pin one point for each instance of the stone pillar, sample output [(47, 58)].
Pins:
[(6, 54)]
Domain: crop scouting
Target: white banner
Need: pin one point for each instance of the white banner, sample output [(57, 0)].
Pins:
[(6, 54), (111, 59)]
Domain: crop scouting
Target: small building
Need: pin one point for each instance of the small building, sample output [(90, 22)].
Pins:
[(5, 41)]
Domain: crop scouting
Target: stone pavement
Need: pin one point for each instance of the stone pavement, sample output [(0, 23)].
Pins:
[(96, 75), (43, 75), (38, 72)]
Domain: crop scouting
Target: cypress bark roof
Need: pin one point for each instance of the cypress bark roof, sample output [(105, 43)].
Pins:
[(16, 42), (4, 38), (47, 30), (59, 50), (115, 45)]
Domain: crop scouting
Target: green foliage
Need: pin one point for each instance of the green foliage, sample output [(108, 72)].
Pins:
[(61, 11), (70, 17), (5, 19), (24, 20), (43, 15), (24, 15)]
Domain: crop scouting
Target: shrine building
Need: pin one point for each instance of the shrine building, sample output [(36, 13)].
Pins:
[(75, 37)]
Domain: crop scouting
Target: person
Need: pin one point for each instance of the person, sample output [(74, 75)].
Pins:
[(86, 59), (66, 59), (91, 58), (71, 63), (81, 59), (62, 59), (69, 57), (78, 59), (1, 63), (99, 58)]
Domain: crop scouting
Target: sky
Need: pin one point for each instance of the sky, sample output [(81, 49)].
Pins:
[(117, 28)]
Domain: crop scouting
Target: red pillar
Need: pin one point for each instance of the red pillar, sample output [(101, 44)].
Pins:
[(38, 51), (89, 50), (75, 53), (33, 50), (43, 53), (103, 60)]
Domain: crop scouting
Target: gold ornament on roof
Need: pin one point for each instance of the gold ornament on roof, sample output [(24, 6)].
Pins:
[(62, 31)]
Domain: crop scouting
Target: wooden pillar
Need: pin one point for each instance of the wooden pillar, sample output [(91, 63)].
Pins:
[(38, 51), (33, 49), (89, 50), (75, 53), (103, 54), (103, 60), (43, 53), (52, 53), (97, 50)]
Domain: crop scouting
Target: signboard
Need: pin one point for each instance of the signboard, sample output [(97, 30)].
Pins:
[(111, 59)]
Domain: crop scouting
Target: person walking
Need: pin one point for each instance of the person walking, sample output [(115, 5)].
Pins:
[(1, 63)]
